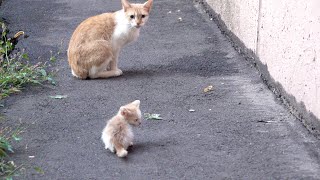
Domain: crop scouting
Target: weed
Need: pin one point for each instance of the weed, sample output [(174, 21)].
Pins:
[(150, 116), (16, 73), (15, 70), (8, 169)]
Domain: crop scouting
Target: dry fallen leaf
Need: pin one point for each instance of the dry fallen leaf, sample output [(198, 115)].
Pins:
[(208, 89)]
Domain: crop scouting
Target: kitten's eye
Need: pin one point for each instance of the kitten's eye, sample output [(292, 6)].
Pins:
[(132, 16), (143, 16), (136, 119)]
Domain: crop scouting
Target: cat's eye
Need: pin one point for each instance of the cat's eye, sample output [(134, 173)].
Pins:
[(136, 119), (132, 16), (143, 16)]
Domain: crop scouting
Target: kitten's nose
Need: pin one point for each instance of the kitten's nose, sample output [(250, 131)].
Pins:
[(138, 25)]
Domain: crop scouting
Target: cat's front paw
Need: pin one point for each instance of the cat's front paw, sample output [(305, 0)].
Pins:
[(118, 72), (122, 153)]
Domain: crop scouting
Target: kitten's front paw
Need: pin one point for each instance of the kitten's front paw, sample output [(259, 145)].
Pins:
[(118, 72), (122, 153)]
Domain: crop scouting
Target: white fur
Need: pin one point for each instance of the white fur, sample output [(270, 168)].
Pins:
[(123, 153), (106, 138), (107, 141), (74, 74), (125, 32), (129, 138)]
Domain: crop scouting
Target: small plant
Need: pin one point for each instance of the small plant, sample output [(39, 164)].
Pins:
[(15, 70), (8, 169), (150, 116), (15, 73)]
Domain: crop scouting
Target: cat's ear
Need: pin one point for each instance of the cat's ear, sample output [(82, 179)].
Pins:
[(147, 5), (124, 111), (136, 103), (125, 4)]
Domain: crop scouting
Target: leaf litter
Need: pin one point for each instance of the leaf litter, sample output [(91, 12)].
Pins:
[(208, 89)]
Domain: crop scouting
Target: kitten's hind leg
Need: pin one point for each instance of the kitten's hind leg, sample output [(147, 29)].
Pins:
[(111, 148), (107, 142), (121, 152)]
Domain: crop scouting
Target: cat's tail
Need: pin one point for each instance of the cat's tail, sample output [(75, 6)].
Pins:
[(79, 73), (76, 70)]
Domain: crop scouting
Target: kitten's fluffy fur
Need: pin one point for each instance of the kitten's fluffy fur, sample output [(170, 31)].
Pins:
[(96, 43), (117, 135)]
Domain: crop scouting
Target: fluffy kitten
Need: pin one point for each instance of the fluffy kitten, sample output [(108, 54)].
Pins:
[(117, 135), (96, 43)]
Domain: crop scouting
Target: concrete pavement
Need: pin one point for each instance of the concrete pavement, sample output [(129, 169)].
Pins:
[(237, 131)]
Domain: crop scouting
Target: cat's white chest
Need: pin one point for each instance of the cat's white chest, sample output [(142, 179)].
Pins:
[(123, 33)]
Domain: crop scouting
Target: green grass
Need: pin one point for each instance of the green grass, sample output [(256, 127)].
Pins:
[(15, 74), (15, 70), (8, 169)]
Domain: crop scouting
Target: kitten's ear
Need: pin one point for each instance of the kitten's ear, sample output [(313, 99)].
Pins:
[(136, 103), (125, 4), (123, 111), (148, 5)]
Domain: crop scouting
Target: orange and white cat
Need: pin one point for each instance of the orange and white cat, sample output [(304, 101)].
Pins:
[(117, 135), (96, 43)]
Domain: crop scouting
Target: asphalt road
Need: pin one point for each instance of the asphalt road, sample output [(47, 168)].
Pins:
[(237, 131)]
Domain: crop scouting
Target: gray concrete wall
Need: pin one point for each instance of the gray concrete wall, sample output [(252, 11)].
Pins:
[(284, 36)]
